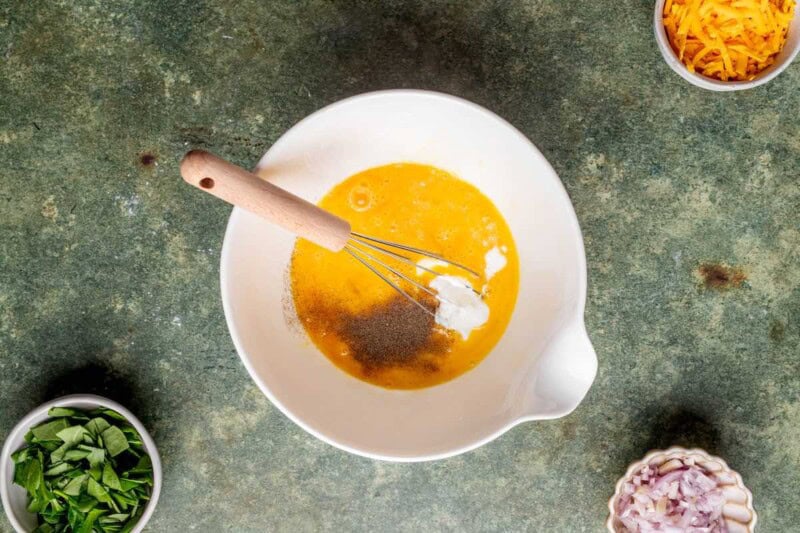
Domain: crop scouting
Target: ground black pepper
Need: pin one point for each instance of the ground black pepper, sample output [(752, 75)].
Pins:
[(391, 333)]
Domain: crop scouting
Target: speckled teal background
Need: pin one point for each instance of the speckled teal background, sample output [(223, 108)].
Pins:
[(109, 264)]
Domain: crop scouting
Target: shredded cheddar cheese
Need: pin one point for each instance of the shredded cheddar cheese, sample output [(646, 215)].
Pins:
[(728, 39)]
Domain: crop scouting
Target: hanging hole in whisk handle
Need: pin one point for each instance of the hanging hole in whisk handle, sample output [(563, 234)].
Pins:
[(244, 189)]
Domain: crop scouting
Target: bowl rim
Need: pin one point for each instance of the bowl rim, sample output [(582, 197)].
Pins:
[(66, 401), (581, 283), (708, 83), (677, 450)]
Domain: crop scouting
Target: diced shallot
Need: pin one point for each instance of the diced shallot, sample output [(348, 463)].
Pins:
[(686, 499)]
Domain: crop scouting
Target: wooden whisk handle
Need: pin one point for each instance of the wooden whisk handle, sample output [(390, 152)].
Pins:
[(244, 189)]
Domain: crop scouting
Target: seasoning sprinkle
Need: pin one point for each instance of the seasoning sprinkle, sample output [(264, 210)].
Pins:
[(393, 333)]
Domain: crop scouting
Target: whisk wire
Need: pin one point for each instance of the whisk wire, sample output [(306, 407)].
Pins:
[(419, 251), (351, 250), (357, 241), (394, 270), (403, 258)]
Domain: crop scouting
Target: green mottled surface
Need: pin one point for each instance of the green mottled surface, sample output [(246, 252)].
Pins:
[(109, 267)]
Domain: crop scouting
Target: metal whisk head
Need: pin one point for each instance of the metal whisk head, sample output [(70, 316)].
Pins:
[(367, 250)]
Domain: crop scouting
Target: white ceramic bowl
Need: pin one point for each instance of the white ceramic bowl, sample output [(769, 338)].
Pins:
[(15, 498), (787, 54), (541, 368), (740, 517)]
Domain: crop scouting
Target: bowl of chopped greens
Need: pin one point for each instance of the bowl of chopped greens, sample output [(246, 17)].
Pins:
[(82, 464)]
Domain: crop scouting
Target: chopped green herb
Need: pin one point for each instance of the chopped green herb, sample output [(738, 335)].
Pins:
[(75, 485), (85, 472), (75, 455), (143, 466), (60, 468), (97, 425), (110, 478), (96, 456), (108, 413), (49, 430), (128, 484), (33, 475), (96, 491), (20, 455), (115, 441), (61, 412), (88, 524), (119, 517), (85, 503), (72, 435)]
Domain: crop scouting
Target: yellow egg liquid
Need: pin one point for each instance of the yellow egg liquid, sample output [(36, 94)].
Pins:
[(353, 317)]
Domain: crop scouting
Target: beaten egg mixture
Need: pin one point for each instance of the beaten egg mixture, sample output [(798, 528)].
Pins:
[(363, 325)]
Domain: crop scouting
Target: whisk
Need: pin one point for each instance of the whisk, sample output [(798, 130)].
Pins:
[(241, 188)]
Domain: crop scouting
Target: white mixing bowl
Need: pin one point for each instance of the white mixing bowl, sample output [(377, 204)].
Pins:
[(541, 368)]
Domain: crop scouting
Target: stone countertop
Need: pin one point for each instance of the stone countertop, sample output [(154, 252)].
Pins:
[(689, 203)]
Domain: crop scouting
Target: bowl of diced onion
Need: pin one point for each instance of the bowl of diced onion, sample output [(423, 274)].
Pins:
[(727, 45), (681, 490)]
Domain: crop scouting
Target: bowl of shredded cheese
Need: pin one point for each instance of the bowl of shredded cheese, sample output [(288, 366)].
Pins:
[(727, 45)]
